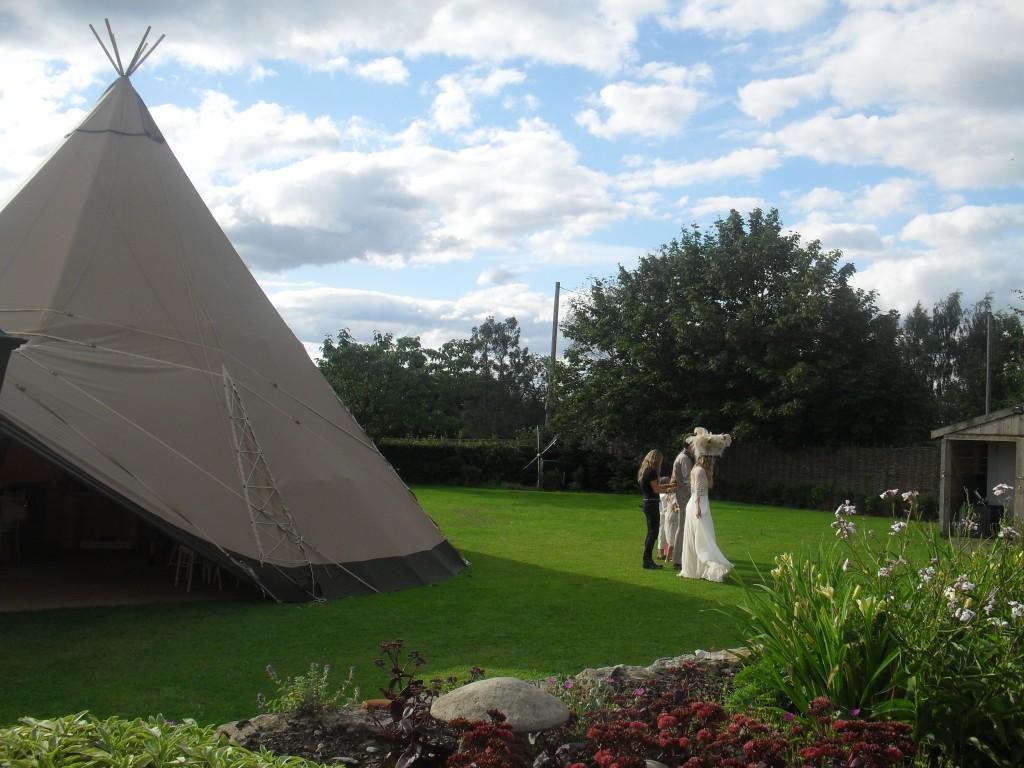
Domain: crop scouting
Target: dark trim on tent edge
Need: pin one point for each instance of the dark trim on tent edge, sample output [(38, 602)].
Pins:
[(297, 584)]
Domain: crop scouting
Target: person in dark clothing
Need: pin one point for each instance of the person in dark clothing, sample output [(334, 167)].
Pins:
[(649, 478)]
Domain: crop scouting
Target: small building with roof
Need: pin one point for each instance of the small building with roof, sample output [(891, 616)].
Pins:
[(975, 456)]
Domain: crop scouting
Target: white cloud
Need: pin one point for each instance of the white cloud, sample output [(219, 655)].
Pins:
[(316, 311), (653, 110), (220, 140), (979, 225), (735, 18), (971, 249), (313, 201), (386, 70), (964, 53), (856, 239), (452, 109), (596, 36), (498, 275), (957, 148), (886, 198), (674, 74), (722, 204), (258, 73), (765, 99), (819, 198), (39, 105), (740, 163), (929, 87)]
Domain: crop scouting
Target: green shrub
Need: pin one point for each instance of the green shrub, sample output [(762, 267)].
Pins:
[(308, 695), (84, 741), (815, 633), (905, 625)]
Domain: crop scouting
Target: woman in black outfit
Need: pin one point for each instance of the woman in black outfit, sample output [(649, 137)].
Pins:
[(651, 488)]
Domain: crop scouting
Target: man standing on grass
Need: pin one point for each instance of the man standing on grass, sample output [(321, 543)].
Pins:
[(681, 477)]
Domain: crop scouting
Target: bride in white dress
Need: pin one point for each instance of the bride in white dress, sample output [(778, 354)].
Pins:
[(701, 557)]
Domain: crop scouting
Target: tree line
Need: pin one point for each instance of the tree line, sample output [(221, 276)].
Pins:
[(488, 385), (739, 327)]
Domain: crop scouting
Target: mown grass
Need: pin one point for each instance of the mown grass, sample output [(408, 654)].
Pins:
[(555, 586)]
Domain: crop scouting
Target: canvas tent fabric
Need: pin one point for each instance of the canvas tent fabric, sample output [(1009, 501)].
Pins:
[(156, 370)]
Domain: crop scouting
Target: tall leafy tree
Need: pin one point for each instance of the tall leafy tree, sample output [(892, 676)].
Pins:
[(740, 327), (485, 386), (387, 385), (946, 350)]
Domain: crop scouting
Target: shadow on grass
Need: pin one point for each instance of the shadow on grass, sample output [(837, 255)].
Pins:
[(206, 660)]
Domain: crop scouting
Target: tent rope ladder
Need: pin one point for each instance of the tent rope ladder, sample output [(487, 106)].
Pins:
[(263, 498)]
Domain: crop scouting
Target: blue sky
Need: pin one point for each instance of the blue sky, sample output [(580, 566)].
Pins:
[(415, 167)]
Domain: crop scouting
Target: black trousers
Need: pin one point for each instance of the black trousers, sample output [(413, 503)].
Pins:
[(652, 513)]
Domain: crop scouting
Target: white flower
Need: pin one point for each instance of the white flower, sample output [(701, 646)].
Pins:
[(996, 622), (965, 614), (962, 584), (926, 574), (910, 495), (846, 565), (1002, 490), (1016, 609), (896, 528), (949, 593), (884, 572), (843, 528), (1009, 533), (890, 494), (846, 508), (990, 607)]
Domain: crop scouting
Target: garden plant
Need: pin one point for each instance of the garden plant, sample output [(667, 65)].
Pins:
[(905, 625)]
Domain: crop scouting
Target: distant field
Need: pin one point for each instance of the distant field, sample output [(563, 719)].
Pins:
[(555, 586)]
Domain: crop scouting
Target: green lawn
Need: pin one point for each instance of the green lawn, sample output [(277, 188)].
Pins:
[(555, 585)]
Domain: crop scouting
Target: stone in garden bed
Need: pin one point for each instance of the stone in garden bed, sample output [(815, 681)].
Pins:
[(526, 707)]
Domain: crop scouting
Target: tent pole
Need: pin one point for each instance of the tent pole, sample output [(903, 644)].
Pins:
[(148, 53), (113, 43), (109, 57), (138, 52)]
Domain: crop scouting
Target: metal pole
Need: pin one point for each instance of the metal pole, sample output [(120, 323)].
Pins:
[(551, 363), (540, 464), (988, 362)]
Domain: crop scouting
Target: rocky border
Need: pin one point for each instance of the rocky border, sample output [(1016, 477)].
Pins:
[(351, 736)]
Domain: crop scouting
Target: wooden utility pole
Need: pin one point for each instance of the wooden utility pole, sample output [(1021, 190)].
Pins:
[(551, 362)]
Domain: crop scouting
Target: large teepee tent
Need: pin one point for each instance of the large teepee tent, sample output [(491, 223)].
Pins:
[(158, 372)]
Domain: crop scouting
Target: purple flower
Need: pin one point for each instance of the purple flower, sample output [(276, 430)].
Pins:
[(638, 692), (789, 716), (568, 684), (855, 712)]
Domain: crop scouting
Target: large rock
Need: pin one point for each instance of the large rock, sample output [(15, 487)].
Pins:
[(526, 707)]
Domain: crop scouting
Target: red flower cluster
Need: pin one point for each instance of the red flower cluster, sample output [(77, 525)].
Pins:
[(872, 744), (665, 726), (489, 745)]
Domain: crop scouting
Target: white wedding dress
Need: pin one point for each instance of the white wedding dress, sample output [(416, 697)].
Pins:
[(669, 521), (701, 557)]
